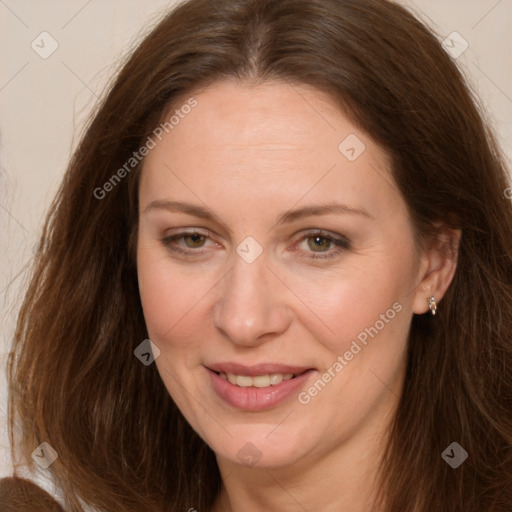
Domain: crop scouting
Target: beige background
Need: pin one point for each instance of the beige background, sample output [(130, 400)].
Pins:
[(44, 102)]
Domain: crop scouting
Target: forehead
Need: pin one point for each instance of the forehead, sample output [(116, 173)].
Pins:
[(273, 142), (272, 116)]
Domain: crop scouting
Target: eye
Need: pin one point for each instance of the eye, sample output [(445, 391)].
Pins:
[(192, 242), (321, 245), (196, 240), (316, 244)]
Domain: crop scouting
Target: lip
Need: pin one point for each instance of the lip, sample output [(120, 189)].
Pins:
[(258, 399), (257, 369)]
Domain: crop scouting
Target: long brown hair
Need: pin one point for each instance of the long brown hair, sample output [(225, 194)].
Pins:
[(74, 380), (20, 495)]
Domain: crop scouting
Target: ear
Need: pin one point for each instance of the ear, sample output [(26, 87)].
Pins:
[(437, 268)]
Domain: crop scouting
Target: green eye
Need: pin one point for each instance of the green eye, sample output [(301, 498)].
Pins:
[(320, 245), (319, 242), (196, 240), (187, 242)]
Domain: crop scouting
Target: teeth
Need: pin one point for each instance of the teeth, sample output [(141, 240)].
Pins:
[(258, 381), (276, 378), (243, 381)]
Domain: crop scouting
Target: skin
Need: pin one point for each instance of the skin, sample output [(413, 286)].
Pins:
[(250, 153)]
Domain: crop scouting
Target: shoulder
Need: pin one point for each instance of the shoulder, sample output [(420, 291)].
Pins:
[(20, 495)]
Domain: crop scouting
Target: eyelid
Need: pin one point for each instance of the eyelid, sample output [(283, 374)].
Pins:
[(304, 233), (169, 238), (187, 231), (341, 242)]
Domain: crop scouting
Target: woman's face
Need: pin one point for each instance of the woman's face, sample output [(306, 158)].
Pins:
[(273, 241)]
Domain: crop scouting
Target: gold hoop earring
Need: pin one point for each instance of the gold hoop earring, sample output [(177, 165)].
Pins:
[(432, 305)]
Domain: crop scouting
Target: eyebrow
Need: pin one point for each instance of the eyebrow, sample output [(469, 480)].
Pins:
[(324, 209), (285, 218)]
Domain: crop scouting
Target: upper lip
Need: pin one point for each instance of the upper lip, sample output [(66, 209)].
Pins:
[(257, 369)]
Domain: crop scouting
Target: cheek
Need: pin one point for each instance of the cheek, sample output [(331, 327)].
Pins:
[(171, 302), (369, 297), (170, 297), (362, 341)]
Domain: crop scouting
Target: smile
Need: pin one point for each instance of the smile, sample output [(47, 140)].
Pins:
[(257, 392), (258, 381)]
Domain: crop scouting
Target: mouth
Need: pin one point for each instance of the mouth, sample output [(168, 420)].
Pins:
[(257, 381), (259, 387)]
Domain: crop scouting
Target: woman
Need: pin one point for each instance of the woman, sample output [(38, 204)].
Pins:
[(299, 204)]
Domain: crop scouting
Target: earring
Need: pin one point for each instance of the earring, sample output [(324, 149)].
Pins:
[(432, 305)]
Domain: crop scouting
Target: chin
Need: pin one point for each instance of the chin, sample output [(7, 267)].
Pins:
[(253, 446)]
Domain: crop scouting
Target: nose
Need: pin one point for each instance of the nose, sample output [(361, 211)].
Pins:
[(251, 308)]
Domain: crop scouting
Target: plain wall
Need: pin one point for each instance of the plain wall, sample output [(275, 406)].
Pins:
[(44, 103)]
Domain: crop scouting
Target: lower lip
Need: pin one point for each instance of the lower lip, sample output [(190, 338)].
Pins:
[(257, 399)]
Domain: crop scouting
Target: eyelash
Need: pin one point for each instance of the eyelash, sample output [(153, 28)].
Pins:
[(341, 244)]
